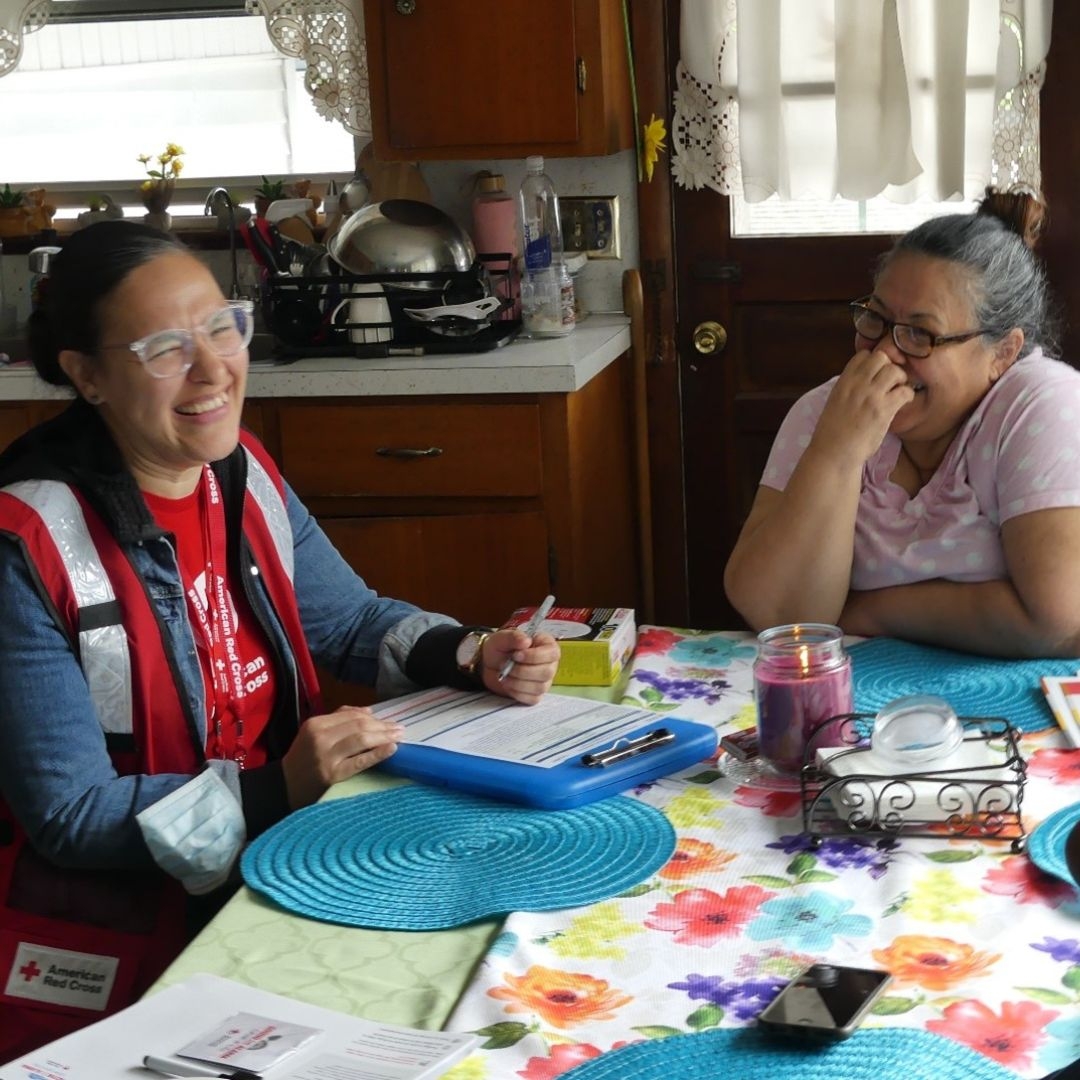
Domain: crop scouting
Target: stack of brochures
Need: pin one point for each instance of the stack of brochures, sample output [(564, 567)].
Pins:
[(209, 1026)]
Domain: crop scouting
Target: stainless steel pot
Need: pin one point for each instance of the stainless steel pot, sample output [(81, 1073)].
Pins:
[(401, 236)]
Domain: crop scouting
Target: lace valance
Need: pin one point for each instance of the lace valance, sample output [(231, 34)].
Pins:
[(18, 17), (328, 35)]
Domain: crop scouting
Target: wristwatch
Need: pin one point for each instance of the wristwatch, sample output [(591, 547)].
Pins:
[(470, 652)]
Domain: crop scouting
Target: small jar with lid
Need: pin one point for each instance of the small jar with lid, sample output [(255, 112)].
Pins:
[(802, 680)]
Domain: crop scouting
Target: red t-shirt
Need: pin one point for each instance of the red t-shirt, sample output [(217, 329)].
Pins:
[(251, 692)]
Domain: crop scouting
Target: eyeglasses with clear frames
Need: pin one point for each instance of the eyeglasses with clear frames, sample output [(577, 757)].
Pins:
[(914, 341), (166, 354)]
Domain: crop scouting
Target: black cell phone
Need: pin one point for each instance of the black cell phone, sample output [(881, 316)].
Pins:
[(826, 999)]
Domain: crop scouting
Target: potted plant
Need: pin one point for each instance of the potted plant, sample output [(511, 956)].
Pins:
[(266, 193), (157, 189), (14, 213)]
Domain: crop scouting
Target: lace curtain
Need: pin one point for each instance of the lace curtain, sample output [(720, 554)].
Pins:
[(18, 17), (856, 98), (327, 34)]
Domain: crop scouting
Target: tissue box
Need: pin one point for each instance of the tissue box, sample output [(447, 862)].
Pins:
[(873, 790), (596, 643)]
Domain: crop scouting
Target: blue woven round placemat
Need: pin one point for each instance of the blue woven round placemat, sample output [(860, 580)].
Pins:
[(884, 669), (1046, 844), (745, 1053), (419, 858)]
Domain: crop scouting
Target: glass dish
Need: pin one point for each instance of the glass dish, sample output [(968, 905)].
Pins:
[(914, 730)]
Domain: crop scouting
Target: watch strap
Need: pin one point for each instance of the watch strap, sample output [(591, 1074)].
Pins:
[(432, 661)]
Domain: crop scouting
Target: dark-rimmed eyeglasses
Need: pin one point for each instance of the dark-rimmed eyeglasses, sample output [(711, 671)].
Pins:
[(165, 354), (915, 341)]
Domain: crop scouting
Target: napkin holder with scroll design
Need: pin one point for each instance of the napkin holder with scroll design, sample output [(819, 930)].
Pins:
[(975, 793)]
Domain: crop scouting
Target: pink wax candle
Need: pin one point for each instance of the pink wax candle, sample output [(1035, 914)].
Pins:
[(802, 677)]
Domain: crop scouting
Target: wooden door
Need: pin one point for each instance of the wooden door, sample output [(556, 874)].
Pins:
[(783, 303)]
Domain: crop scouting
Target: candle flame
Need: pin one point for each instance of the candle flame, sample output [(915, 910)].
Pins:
[(804, 658)]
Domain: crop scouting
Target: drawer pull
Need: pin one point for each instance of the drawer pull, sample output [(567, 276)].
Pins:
[(407, 451)]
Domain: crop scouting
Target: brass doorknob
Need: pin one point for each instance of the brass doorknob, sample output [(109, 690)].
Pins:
[(709, 337)]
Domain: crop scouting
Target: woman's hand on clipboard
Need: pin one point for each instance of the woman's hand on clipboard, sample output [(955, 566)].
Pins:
[(532, 661)]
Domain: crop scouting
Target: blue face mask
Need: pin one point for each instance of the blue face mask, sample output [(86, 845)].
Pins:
[(196, 833)]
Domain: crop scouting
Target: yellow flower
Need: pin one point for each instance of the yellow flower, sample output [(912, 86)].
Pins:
[(596, 934), (653, 143), (169, 165), (937, 896), (474, 1067), (694, 809)]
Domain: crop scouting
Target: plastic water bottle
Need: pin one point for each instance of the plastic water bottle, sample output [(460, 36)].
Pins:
[(547, 292)]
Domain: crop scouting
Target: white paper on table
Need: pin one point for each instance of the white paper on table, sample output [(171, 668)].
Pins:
[(976, 765), (347, 1048), (545, 734)]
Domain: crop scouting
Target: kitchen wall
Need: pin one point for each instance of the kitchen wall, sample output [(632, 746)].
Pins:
[(599, 283)]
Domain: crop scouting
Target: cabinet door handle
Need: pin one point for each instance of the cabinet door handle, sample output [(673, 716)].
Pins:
[(405, 7), (407, 451)]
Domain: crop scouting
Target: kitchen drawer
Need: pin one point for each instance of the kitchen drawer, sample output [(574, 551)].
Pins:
[(411, 450)]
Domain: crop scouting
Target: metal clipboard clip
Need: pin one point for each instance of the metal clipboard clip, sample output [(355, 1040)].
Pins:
[(626, 748)]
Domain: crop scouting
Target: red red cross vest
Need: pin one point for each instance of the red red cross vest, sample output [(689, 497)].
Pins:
[(78, 945)]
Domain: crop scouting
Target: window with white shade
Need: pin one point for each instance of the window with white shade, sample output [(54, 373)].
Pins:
[(91, 94)]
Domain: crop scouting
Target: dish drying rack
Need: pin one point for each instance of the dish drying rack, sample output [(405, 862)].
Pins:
[(973, 801), (299, 309)]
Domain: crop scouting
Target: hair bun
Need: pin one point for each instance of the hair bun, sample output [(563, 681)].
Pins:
[(1020, 209)]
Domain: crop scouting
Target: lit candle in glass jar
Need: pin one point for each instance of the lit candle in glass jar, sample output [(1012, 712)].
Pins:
[(802, 677)]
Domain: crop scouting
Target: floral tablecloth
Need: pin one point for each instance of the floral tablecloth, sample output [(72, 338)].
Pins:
[(984, 948)]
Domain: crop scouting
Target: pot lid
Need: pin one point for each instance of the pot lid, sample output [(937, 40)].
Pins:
[(402, 236)]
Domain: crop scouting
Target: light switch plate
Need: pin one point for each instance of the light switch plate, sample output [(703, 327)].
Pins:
[(590, 223)]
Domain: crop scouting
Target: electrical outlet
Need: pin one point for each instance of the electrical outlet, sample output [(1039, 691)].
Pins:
[(590, 223)]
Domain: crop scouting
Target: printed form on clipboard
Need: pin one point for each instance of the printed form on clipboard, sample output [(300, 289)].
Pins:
[(562, 752)]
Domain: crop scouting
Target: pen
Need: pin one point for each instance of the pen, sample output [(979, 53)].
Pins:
[(174, 1067), (530, 628)]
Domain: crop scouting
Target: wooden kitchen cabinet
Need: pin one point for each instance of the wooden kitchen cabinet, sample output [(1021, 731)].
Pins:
[(471, 505), (454, 79)]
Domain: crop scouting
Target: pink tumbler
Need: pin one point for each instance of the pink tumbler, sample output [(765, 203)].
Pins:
[(495, 229)]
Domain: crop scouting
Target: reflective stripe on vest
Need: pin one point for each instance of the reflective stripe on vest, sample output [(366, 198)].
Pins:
[(264, 491), (103, 642)]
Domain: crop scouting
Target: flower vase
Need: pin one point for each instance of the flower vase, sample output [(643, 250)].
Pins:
[(156, 198)]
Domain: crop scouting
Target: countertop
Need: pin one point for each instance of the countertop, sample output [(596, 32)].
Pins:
[(525, 366)]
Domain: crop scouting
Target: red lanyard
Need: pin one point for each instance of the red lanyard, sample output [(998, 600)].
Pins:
[(216, 621)]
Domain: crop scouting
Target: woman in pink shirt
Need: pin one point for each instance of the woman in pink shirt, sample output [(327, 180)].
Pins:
[(931, 491)]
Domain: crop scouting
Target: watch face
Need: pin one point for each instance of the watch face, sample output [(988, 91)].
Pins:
[(467, 651)]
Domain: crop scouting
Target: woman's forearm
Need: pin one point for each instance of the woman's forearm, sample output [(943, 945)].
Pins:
[(988, 618), (793, 560)]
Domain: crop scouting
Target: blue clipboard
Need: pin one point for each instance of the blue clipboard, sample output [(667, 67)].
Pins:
[(642, 754)]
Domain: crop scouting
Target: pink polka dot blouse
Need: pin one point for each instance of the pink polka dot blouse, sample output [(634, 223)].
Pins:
[(1018, 452)]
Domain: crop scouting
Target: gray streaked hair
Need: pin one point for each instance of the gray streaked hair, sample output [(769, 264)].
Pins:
[(1005, 281)]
